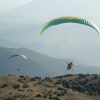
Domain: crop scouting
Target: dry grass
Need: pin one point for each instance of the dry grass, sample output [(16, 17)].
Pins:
[(40, 89)]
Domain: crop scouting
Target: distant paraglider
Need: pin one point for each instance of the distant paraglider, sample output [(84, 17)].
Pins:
[(69, 65), (67, 19), (18, 55)]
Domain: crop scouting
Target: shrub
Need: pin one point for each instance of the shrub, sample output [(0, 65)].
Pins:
[(48, 79), (19, 85), (73, 82), (94, 88), (91, 92), (27, 77), (25, 86), (69, 86), (10, 93), (65, 91), (4, 85), (50, 97), (88, 74), (59, 81), (55, 92), (32, 79), (36, 77), (81, 88), (62, 93), (9, 74), (21, 76), (91, 84), (24, 78), (56, 98), (85, 81), (75, 87), (96, 76), (58, 94), (21, 90), (40, 82), (31, 90), (82, 75), (95, 94), (59, 88), (20, 80), (68, 75), (38, 95)]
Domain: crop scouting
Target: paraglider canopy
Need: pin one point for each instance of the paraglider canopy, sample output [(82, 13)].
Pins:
[(18, 55), (67, 19)]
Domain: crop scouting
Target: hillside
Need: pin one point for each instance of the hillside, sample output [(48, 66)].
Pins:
[(38, 64), (66, 87)]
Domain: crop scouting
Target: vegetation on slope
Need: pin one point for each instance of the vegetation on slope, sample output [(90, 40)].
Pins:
[(66, 87)]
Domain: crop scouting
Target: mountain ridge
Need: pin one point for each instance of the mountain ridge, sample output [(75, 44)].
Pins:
[(38, 64)]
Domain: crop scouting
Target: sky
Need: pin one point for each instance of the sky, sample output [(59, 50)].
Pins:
[(6, 5), (80, 42), (50, 9)]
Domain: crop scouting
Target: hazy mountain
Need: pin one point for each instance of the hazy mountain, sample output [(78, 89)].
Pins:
[(7, 43), (20, 34), (37, 64)]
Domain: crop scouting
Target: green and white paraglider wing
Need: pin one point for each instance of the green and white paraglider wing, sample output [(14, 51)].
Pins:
[(67, 19)]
